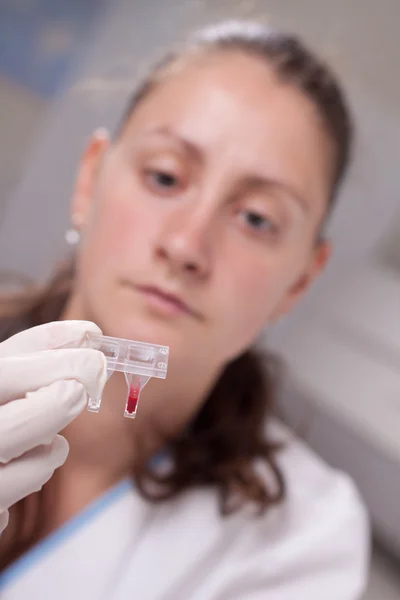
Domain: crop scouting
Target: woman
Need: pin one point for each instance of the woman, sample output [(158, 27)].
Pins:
[(201, 222)]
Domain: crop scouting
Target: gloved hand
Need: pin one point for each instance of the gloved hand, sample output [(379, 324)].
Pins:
[(43, 387)]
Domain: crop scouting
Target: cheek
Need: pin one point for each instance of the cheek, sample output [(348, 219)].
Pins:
[(121, 228), (248, 294), (256, 290)]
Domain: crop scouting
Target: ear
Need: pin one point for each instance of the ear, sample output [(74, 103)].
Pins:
[(320, 258), (87, 175)]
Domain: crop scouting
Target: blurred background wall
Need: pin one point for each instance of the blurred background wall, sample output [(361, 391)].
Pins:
[(342, 346)]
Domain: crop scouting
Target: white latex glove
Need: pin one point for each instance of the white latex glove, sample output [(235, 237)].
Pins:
[(42, 389)]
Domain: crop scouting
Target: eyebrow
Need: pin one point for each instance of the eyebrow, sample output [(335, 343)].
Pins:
[(259, 182), (190, 148), (254, 182)]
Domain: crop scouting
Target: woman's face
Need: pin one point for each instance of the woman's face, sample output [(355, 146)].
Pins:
[(200, 221)]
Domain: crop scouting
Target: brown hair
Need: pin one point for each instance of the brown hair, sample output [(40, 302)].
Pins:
[(221, 445)]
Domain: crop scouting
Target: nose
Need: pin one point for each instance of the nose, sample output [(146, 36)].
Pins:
[(185, 242)]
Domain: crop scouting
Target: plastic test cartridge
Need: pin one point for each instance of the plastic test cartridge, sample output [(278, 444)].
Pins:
[(138, 361)]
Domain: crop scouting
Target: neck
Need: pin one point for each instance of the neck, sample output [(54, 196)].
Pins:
[(106, 447), (165, 408)]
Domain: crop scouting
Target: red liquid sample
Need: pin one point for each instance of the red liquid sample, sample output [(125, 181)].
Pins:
[(133, 398)]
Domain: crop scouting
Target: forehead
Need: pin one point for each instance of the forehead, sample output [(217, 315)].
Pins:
[(236, 110)]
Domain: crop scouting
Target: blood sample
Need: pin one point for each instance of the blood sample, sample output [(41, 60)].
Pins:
[(133, 399)]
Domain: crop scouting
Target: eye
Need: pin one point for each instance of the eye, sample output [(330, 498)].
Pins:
[(258, 222), (162, 180)]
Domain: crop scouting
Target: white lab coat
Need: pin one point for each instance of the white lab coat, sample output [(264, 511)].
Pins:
[(314, 546)]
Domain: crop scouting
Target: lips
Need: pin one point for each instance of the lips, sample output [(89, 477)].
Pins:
[(166, 302)]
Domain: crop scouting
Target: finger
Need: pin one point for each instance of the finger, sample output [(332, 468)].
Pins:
[(36, 419), (48, 336), (22, 374), (30, 472)]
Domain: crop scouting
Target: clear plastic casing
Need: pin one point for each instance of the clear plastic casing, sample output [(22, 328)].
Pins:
[(139, 362)]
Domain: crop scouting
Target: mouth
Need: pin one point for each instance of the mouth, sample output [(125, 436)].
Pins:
[(165, 302)]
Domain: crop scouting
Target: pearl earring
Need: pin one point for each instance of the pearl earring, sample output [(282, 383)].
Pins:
[(73, 235)]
